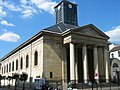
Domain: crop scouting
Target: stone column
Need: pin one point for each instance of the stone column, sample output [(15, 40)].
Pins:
[(72, 62), (76, 65), (106, 65), (85, 71), (96, 76), (64, 68)]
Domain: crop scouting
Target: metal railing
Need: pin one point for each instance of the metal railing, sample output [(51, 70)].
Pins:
[(90, 85), (93, 85)]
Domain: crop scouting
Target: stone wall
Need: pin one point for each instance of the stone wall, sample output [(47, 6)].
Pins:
[(52, 58), (32, 71)]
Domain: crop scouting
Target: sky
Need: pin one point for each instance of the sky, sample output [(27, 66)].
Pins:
[(21, 19)]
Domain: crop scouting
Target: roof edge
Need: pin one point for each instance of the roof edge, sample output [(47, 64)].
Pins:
[(22, 45)]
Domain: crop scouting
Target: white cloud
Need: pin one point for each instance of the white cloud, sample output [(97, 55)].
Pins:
[(28, 11), (4, 22), (10, 36), (27, 8), (24, 1), (2, 12), (114, 34), (45, 5), (10, 6)]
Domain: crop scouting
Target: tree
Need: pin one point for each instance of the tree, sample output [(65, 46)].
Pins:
[(23, 77), (9, 78), (0, 79), (4, 77), (16, 77)]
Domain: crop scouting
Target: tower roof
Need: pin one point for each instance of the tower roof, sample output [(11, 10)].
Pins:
[(65, 1)]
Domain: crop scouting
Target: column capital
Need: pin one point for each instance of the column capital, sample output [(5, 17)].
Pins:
[(105, 46), (95, 46), (72, 42), (84, 44)]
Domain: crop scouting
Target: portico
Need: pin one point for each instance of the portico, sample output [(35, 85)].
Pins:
[(90, 68), (85, 62)]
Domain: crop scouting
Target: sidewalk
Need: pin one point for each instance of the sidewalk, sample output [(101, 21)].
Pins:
[(12, 88)]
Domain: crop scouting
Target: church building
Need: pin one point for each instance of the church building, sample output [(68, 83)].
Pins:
[(64, 51)]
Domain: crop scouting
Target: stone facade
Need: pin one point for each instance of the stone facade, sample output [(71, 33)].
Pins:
[(52, 57), (22, 53)]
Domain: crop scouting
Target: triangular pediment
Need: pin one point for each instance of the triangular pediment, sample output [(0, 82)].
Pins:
[(92, 31)]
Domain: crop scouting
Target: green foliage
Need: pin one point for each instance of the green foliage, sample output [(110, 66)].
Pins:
[(1, 77), (23, 77), (9, 77), (15, 76), (4, 77)]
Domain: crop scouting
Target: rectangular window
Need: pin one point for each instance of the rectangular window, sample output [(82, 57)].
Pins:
[(37, 76), (51, 75)]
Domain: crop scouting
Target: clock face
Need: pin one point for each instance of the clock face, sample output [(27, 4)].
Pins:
[(69, 5)]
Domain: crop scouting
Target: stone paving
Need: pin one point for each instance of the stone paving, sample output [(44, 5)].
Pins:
[(113, 88), (105, 88), (12, 88)]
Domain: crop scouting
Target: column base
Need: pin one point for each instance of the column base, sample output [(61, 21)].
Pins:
[(85, 81), (72, 81), (107, 80), (65, 86)]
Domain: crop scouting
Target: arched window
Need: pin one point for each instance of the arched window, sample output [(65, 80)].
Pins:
[(2, 70), (36, 58), (27, 61), (16, 64), (115, 65), (9, 67), (13, 66), (21, 63)]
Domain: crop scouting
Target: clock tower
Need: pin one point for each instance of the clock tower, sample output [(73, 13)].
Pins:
[(66, 12)]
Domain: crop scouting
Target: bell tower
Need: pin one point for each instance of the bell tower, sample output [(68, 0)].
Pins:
[(66, 12)]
